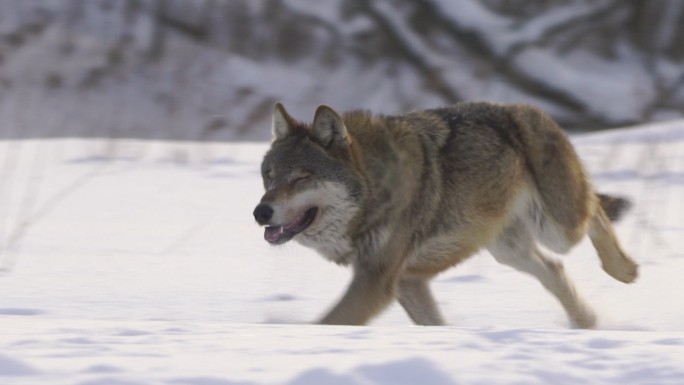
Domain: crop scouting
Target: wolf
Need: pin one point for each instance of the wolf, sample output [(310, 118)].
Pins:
[(402, 198)]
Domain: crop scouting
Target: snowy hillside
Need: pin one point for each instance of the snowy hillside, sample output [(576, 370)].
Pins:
[(209, 69), (136, 263)]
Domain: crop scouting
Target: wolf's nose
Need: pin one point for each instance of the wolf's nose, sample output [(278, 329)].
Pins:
[(263, 213)]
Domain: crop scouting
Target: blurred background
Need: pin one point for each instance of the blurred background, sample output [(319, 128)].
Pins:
[(212, 69)]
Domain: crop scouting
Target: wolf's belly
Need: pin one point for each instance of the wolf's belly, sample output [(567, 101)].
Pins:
[(437, 254)]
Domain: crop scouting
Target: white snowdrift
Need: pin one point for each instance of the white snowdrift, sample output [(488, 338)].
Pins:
[(129, 263)]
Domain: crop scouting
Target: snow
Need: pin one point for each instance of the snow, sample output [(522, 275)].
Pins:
[(138, 262), (505, 35), (593, 88), (119, 69)]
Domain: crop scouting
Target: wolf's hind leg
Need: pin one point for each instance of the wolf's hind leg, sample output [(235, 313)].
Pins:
[(416, 298), (614, 261), (515, 247)]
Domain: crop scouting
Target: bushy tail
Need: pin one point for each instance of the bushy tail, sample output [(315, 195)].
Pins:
[(614, 207)]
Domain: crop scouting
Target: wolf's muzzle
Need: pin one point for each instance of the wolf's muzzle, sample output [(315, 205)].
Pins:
[(263, 213)]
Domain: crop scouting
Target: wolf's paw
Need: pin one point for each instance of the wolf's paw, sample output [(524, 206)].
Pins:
[(624, 270), (582, 316), (587, 320)]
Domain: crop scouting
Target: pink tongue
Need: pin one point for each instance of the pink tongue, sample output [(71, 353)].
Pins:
[(272, 233)]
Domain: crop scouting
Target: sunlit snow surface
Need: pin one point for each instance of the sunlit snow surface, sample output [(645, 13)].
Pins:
[(128, 263)]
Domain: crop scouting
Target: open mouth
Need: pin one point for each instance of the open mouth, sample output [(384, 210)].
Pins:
[(280, 234)]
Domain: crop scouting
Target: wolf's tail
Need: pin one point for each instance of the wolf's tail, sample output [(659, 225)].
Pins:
[(614, 206)]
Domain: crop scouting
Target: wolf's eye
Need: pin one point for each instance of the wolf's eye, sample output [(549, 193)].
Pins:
[(301, 178)]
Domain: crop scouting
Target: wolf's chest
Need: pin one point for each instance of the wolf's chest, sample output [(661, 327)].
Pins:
[(332, 245)]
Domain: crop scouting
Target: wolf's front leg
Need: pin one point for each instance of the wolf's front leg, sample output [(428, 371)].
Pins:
[(416, 298), (370, 291)]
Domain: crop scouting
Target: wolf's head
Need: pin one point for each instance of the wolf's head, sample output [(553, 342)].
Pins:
[(312, 188)]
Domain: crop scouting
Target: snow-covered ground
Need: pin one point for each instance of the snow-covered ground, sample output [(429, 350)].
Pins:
[(130, 263)]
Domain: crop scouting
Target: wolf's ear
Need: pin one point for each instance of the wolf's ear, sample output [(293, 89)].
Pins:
[(283, 123), (329, 128)]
